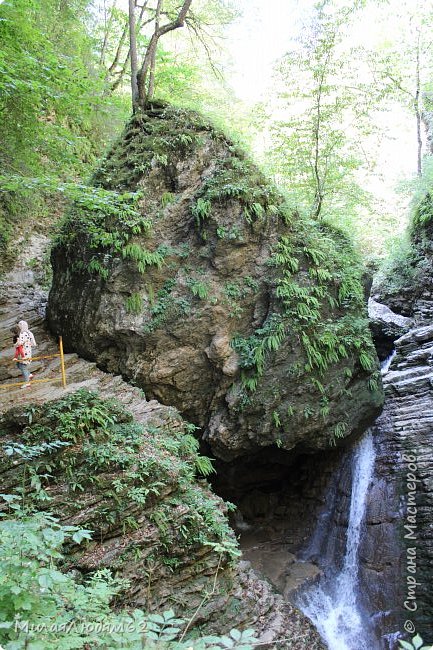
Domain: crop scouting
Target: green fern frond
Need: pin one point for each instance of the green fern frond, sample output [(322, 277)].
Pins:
[(142, 256)]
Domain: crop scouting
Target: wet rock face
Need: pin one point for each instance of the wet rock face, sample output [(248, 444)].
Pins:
[(403, 495), (386, 327), (199, 324)]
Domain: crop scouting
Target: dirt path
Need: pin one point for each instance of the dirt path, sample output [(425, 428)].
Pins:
[(23, 298)]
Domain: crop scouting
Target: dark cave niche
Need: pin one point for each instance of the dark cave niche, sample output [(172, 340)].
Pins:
[(278, 496)]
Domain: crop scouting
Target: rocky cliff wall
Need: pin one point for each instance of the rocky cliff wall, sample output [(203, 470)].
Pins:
[(402, 510), (213, 297), (397, 551), (405, 436)]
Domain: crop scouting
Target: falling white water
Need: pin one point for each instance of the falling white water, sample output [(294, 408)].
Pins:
[(385, 365), (333, 605)]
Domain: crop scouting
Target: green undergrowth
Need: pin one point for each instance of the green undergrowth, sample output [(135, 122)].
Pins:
[(237, 178), (167, 307), (320, 307), (18, 203), (101, 223), (91, 445), (409, 264), (86, 457), (8, 214), (325, 303), (400, 270), (45, 608)]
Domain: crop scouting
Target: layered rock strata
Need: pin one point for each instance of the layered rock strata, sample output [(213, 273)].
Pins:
[(151, 525)]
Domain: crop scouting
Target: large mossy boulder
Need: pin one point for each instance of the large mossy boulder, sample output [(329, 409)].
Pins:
[(211, 295)]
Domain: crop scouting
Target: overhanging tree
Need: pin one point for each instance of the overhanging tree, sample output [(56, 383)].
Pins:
[(143, 77), (131, 50), (405, 63)]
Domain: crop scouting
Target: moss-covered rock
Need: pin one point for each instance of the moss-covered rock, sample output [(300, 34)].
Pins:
[(212, 297)]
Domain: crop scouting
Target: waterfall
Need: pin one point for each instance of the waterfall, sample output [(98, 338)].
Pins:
[(385, 365), (333, 605)]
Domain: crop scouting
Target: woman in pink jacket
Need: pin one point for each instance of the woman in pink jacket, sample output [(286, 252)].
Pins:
[(27, 341)]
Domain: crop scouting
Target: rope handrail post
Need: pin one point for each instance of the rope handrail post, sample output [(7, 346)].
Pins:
[(62, 361)]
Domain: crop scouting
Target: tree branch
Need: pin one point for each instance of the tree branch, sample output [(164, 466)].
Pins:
[(151, 49), (120, 74), (153, 53), (107, 31)]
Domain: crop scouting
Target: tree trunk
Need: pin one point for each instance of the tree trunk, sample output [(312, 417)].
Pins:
[(107, 29), (121, 73), (427, 119), (418, 108), (318, 193), (133, 55)]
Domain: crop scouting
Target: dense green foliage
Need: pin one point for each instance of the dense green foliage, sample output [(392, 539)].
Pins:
[(321, 305), (64, 93), (409, 265), (237, 177), (55, 116), (102, 437), (52, 98), (88, 444)]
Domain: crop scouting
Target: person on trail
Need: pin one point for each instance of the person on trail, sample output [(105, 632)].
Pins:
[(27, 341), (19, 350)]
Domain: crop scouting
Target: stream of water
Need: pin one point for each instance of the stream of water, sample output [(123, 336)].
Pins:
[(333, 605)]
